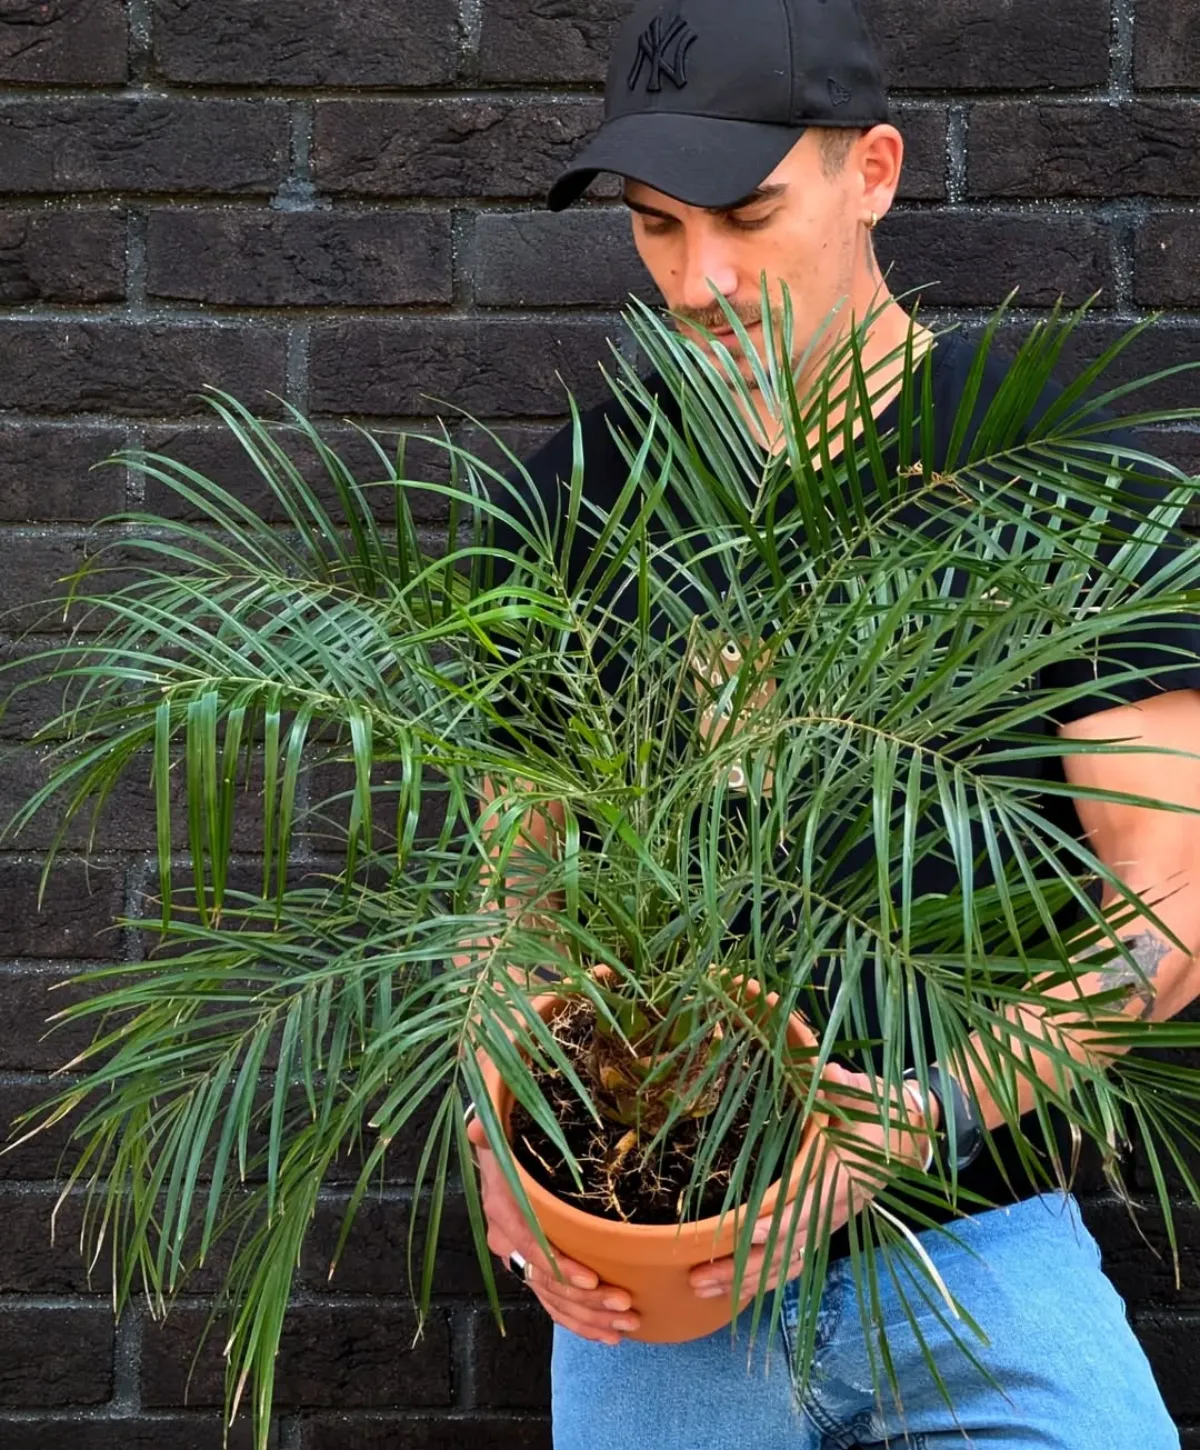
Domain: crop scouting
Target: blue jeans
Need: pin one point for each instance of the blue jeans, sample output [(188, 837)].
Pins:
[(1074, 1375)]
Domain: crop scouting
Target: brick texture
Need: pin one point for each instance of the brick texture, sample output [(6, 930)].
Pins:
[(955, 45), (65, 42), (397, 367), (1084, 149), (447, 148), (103, 366), (1166, 262), (1167, 45), (359, 43), (332, 1356), (341, 205), (45, 472), (143, 1433), (62, 256), (52, 1357), (134, 145), (294, 259)]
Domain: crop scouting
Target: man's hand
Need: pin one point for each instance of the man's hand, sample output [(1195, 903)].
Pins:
[(847, 1179), (576, 1300)]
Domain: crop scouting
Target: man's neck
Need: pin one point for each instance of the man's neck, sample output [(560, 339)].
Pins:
[(883, 350)]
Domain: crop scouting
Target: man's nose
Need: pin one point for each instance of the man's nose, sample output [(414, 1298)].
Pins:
[(706, 265)]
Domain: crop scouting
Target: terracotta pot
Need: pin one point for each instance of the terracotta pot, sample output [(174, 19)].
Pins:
[(651, 1261)]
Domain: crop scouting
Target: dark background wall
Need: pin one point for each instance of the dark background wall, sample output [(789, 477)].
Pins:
[(339, 203)]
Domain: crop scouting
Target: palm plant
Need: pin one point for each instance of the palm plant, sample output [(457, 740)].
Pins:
[(890, 625)]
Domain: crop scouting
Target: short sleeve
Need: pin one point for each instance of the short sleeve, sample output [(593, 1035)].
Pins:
[(1136, 659)]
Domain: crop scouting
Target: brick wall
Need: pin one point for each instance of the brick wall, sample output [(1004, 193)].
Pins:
[(340, 204)]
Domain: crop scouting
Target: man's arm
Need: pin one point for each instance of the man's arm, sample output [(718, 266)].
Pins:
[(543, 826), (1154, 852)]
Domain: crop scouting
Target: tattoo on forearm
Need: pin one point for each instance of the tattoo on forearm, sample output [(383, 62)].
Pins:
[(1148, 950)]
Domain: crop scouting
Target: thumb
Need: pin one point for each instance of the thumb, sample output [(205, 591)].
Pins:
[(476, 1134)]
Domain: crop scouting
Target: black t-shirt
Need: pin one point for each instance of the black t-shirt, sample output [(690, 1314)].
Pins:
[(1156, 656)]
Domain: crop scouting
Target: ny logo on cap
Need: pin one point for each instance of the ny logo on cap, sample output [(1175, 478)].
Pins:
[(664, 49)]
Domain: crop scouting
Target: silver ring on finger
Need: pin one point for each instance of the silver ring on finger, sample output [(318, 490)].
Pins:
[(519, 1266)]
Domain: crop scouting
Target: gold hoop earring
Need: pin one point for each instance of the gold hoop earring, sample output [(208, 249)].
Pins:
[(874, 222)]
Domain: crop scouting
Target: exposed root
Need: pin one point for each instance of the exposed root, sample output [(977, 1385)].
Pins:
[(621, 1179)]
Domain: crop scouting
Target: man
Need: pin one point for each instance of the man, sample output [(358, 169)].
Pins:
[(753, 138)]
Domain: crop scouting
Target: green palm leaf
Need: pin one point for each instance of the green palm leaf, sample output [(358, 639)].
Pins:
[(907, 618)]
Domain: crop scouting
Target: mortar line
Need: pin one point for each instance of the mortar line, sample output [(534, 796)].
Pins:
[(296, 365), (1121, 77), (127, 1353), (137, 224), (957, 124), (470, 20), (141, 43), (296, 191)]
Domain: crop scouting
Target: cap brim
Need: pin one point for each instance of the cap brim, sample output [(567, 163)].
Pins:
[(698, 160)]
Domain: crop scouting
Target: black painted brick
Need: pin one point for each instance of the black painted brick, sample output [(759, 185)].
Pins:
[(416, 366), (31, 995), (924, 129), (1180, 447), (567, 41), (300, 259), (521, 440), (977, 258), (1084, 149), (29, 699), (128, 820), (375, 1259), (331, 783), (37, 1257), (539, 259), (71, 256), (296, 43), (1154, 351), (74, 919), (33, 583), (512, 1370), (956, 45), (216, 453), (63, 43), (447, 148), (480, 1432), (1166, 45), (47, 473), (40, 1157), (331, 1356), (1166, 272), (120, 143), (1172, 1344), (190, 1432), (1137, 1252), (138, 368), (976, 45), (52, 1357)]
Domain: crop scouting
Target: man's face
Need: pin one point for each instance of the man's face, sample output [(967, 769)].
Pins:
[(801, 227)]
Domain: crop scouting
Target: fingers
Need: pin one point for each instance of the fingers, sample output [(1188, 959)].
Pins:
[(570, 1292), (603, 1314)]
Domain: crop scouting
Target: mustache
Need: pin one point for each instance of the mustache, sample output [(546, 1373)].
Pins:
[(712, 318)]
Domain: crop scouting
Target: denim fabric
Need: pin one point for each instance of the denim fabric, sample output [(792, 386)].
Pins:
[(1073, 1374)]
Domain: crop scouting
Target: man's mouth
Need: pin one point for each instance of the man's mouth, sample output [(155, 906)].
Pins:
[(725, 332)]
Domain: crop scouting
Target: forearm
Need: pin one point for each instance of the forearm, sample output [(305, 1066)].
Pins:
[(520, 897), (1167, 980)]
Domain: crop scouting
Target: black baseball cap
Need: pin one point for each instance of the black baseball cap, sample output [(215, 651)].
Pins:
[(705, 98)]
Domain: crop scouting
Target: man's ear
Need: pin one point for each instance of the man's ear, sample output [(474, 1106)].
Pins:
[(879, 158)]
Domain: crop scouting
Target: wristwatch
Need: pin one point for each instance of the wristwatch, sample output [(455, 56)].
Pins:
[(968, 1131)]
